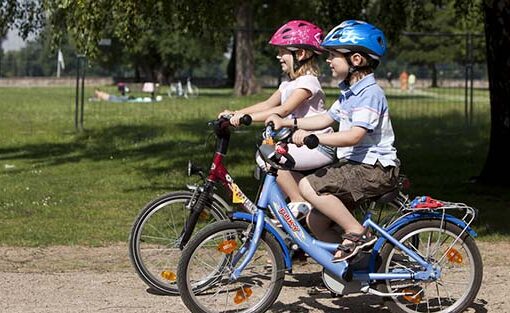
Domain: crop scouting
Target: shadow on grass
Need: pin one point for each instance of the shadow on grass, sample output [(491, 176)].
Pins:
[(438, 158), (139, 143)]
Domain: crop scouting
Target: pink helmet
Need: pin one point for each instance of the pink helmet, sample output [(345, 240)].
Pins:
[(298, 34)]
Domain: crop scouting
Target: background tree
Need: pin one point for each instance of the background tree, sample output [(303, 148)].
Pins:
[(245, 83), (25, 15), (85, 20), (437, 39), (39, 58), (497, 34)]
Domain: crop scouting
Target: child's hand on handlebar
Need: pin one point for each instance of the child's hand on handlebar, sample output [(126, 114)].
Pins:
[(235, 119), (276, 120), (226, 113), (299, 136)]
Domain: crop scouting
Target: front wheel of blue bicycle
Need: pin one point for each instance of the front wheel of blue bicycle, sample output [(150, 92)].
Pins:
[(203, 274), (446, 247)]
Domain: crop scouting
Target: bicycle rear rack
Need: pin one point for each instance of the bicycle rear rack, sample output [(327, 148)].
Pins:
[(467, 214)]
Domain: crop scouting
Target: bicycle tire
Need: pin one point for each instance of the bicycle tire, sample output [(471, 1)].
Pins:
[(218, 265), (155, 258), (439, 231)]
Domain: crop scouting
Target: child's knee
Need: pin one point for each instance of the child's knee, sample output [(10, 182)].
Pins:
[(306, 189)]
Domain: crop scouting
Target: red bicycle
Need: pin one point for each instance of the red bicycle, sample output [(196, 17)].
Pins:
[(165, 225)]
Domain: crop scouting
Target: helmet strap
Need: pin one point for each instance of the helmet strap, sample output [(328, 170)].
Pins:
[(296, 64), (354, 68)]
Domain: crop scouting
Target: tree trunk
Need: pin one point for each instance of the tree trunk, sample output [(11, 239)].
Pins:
[(245, 83), (497, 26), (231, 67), (433, 71)]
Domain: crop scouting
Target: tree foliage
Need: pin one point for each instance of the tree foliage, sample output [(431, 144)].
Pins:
[(25, 15), (131, 21), (440, 38)]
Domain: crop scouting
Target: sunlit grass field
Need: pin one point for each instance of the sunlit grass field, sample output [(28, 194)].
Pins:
[(62, 186)]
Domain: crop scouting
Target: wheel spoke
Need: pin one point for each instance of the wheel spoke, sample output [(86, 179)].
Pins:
[(173, 224), (251, 289), (153, 246), (460, 273)]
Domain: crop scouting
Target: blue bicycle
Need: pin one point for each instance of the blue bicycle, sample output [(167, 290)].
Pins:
[(425, 259)]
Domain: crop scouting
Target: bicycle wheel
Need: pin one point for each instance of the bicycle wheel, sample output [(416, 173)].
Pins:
[(457, 257), (153, 241), (208, 260)]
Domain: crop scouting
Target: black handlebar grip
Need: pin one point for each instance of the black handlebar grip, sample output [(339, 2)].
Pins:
[(245, 120), (311, 141)]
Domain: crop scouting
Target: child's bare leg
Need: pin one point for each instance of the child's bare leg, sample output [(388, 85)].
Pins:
[(331, 207), (321, 226), (288, 182)]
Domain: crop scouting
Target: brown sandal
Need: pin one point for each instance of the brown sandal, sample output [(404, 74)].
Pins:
[(358, 242)]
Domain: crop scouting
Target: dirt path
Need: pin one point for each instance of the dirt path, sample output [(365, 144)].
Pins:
[(78, 279)]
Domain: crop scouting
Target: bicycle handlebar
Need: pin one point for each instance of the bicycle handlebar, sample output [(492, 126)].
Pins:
[(246, 120), (311, 141), (222, 123), (222, 130)]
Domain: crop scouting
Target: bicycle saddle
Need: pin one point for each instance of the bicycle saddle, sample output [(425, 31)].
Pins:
[(386, 197)]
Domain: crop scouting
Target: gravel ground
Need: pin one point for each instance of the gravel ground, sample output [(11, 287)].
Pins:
[(80, 279)]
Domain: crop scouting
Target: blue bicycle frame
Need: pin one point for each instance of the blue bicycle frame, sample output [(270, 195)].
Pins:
[(271, 197)]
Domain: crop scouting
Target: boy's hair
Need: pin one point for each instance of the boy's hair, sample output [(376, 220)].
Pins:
[(366, 66), (309, 67)]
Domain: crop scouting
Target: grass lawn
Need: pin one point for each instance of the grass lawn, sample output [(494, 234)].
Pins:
[(59, 186)]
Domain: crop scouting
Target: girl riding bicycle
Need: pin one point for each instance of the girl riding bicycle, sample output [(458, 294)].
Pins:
[(368, 164), (298, 44)]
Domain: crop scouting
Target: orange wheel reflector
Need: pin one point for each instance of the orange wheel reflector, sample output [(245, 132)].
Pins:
[(169, 275), (454, 256), (204, 216), (242, 295), (413, 296), (227, 246)]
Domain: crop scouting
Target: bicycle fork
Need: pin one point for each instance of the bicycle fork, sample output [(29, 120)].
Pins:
[(254, 237), (194, 214)]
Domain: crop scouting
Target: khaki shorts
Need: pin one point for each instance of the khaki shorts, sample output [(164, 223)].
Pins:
[(352, 182)]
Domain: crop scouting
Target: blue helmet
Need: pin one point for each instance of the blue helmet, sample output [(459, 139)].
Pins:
[(356, 36)]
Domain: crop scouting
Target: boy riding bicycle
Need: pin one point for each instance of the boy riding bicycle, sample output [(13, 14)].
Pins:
[(368, 164)]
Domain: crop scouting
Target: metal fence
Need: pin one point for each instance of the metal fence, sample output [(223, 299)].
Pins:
[(453, 85)]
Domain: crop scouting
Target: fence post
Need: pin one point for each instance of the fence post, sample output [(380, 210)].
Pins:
[(84, 69), (468, 88), (471, 78), (76, 97), (79, 96)]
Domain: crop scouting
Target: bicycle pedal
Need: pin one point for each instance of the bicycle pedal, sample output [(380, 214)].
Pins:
[(335, 295), (347, 275)]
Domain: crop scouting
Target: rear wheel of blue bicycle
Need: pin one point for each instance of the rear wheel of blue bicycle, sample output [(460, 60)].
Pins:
[(444, 245), (203, 274), (154, 238)]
